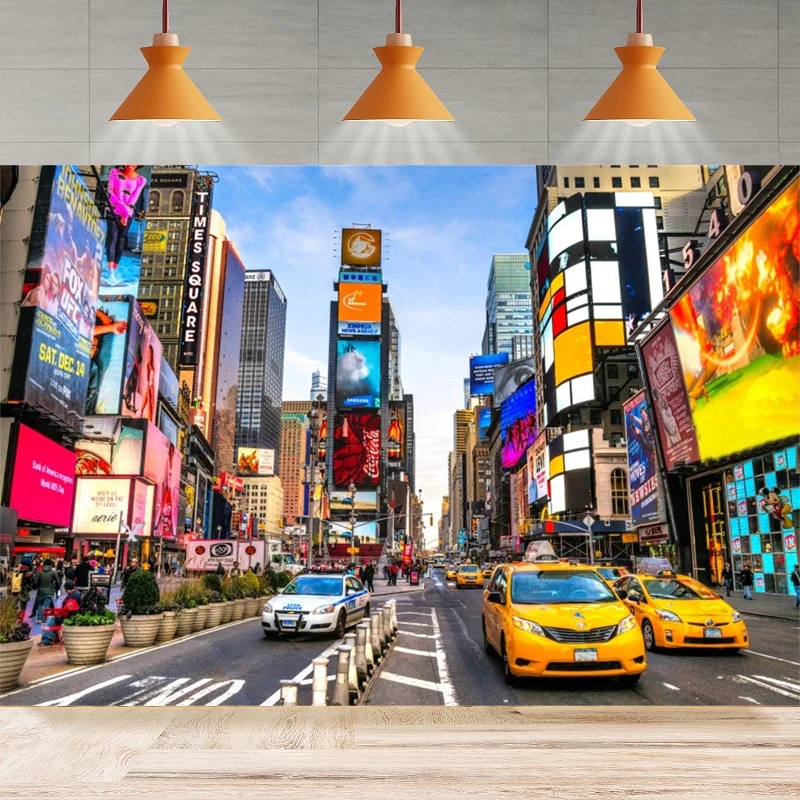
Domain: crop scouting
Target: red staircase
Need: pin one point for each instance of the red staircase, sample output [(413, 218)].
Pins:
[(338, 552)]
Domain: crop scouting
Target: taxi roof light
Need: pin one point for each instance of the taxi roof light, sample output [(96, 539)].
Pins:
[(540, 552)]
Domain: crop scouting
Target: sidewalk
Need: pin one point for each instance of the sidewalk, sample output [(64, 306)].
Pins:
[(776, 606), (382, 587)]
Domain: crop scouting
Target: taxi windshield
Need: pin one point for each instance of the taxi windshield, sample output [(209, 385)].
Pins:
[(470, 568), (553, 587), (670, 589), (309, 585), (610, 572)]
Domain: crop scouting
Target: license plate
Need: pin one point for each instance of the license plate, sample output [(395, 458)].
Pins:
[(288, 623), (586, 655), (712, 633)]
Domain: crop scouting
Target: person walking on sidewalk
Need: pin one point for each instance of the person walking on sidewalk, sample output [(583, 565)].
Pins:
[(47, 585), (795, 577), (82, 574), (369, 576), (746, 579), (393, 572), (22, 584), (727, 578), (133, 566)]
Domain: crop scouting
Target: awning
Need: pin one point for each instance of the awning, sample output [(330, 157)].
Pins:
[(38, 548)]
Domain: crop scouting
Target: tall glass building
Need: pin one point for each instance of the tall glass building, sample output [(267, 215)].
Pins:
[(258, 402), (508, 302)]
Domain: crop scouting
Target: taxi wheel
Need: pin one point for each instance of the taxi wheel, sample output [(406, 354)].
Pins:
[(509, 677), (649, 636), (341, 625)]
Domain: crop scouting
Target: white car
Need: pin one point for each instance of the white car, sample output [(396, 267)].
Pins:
[(317, 603)]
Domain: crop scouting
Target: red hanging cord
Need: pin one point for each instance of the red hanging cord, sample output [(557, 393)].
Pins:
[(165, 16), (639, 17), (398, 16)]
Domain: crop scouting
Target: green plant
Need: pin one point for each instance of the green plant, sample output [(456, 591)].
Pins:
[(198, 590), (93, 601), (250, 585), (11, 629), (214, 597), (89, 619), (212, 582), (237, 588), (169, 599), (283, 579), (141, 594), (225, 588)]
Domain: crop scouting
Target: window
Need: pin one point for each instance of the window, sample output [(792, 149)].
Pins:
[(566, 183), (654, 182), (612, 370), (660, 222), (596, 182), (616, 416), (616, 182), (636, 183), (580, 183), (153, 201), (619, 491), (657, 202), (595, 417), (177, 199)]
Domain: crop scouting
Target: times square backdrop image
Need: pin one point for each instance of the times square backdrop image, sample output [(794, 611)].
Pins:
[(399, 436)]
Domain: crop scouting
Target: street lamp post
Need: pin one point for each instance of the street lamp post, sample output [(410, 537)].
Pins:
[(353, 519), (313, 478)]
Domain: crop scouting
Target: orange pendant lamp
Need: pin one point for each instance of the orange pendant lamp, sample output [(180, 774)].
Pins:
[(639, 95), (165, 95), (399, 95)]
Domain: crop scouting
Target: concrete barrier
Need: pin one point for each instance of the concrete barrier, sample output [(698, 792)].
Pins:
[(375, 636), (361, 655), (289, 693), (386, 632), (341, 687), (319, 682), (369, 657), (352, 675)]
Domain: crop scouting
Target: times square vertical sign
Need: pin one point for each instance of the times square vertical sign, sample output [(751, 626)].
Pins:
[(194, 282)]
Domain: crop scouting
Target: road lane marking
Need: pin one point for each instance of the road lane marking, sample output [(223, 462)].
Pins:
[(418, 624), (412, 652), (304, 673), (418, 635), (763, 685), (174, 691), (750, 700), (234, 688), (71, 698), (413, 614), (419, 684), (774, 658), (448, 690), (784, 684), (670, 686)]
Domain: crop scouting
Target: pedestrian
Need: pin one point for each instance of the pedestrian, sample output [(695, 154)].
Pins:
[(73, 593), (795, 577), (47, 585), (69, 571), (394, 570), (746, 580), (236, 570), (21, 584), (133, 566), (369, 576), (727, 578), (220, 570), (82, 574)]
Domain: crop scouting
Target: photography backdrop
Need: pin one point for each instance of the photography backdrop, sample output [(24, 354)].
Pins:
[(518, 76)]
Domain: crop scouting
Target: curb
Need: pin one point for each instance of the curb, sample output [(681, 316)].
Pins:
[(405, 591), (365, 692), (763, 615)]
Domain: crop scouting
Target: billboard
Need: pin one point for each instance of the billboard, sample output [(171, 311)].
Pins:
[(518, 424), (508, 378), (207, 554), (356, 449), (538, 472), (361, 247), (42, 479), (484, 420), (365, 530), (569, 472), (101, 505), (194, 282), (481, 372), (162, 465), (111, 446), (671, 405), (360, 308), (358, 374), (142, 368), (365, 500), (168, 386), (396, 435), (126, 194), (642, 464), (737, 329), (252, 461), (61, 286)]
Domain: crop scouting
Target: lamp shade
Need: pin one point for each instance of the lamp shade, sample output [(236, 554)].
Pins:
[(399, 94), (640, 94), (165, 94)]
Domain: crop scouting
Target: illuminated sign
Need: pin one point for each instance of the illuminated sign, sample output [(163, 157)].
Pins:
[(101, 505), (360, 309), (481, 372), (255, 461), (361, 247)]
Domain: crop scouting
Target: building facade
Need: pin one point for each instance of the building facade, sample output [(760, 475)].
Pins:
[(295, 442), (508, 302), (319, 385), (263, 498)]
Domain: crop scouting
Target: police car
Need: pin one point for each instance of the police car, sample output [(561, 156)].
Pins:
[(328, 602)]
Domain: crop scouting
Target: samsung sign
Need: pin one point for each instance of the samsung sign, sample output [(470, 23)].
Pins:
[(195, 274)]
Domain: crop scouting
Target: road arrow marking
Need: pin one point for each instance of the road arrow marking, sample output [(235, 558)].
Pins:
[(420, 684)]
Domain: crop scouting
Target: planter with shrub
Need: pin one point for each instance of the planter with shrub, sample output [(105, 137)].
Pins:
[(88, 633), (169, 623), (239, 601), (15, 643), (200, 595), (251, 590), (140, 614), (184, 599), (215, 609), (228, 602)]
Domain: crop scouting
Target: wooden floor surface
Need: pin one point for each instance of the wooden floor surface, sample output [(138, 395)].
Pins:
[(239, 752)]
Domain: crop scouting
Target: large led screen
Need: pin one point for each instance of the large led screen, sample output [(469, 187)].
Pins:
[(358, 374), (162, 465), (518, 424), (484, 414), (738, 334), (364, 530), (360, 308), (61, 286), (508, 378), (42, 479), (481, 372), (396, 435), (342, 500), (361, 247), (255, 461), (111, 446), (356, 449), (642, 464)]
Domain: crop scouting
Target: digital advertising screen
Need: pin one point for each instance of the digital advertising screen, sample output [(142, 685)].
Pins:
[(365, 500), (484, 414), (111, 446), (360, 307), (126, 189), (42, 479), (366, 530), (168, 385), (358, 374), (142, 368), (569, 472), (508, 378), (252, 461), (162, 465), (737, 330), (642, 462), (356, 449), (101, 505), (518, 424), (396, 434), (361, 247), (60, 291), (481, 372), (109, 355)]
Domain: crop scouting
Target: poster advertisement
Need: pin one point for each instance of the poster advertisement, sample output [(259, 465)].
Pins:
[(356, 449), (61, 286), (42, 479), (361, 247), (508, 378), (365, 500), (207, 554), (484, 420), (738, 334), (111, 446), (126, 189), (101, 505), (168, 386), (672, 412), (162, 465), (142, 368), (360, 308), (366, 531), (481, 372), (358, 374), (255, 461), (108, 356), (518, 424), (642, 463), (396, 434), (541, 466)]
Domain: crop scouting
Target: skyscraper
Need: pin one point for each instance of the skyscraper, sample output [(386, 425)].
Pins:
[(508, 302), (258, 403), (295, 442), (319, 385)]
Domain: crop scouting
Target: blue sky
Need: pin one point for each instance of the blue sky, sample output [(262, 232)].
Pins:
[(441, 227)]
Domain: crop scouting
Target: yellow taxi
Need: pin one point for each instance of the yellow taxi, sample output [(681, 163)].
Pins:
[(611, 573), (677, 611), (487, 570), (548, 619), (450, 572), (469, 575)]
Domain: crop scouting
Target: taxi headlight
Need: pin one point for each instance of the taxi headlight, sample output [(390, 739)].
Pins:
[(527, 625), (626, 624), (668, 616), (737, 617), (268, 609), (329, 609)]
